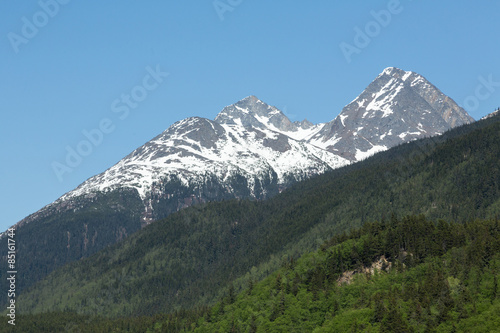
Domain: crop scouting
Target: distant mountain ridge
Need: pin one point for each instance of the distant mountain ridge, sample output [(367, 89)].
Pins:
[(250, 150), (493, 114)]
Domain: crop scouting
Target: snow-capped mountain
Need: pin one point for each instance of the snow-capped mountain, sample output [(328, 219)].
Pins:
[(250, 150), (398, 106)]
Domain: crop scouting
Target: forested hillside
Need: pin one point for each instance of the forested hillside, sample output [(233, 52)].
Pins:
[(76, 232), (189, 258), (402, 275), (408, 275)]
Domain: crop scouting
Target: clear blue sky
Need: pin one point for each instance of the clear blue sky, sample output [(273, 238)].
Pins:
[(64, 69)]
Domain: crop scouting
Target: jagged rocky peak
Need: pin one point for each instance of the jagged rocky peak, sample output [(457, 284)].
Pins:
[(398, 106), (304, 124), (409, 77), (397, 73), (251, 111), (451, 113)]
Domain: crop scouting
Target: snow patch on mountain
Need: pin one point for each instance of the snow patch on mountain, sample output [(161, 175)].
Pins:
[(361, 155)]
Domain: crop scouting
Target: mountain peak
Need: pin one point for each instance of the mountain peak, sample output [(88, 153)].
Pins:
[(398, 73), (253, 105), (398, 106), (252, 112), (249, 101), (392, 70), (251, 98)]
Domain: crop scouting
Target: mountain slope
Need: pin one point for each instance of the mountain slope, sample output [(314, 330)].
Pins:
[(251, 150), (411, 275), (195, 160), (189, 257), (494, 113), (243, 153)]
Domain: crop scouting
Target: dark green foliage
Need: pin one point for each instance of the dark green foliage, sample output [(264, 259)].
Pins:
[(177, 259), (58, 322), (176, 195), (436, 293), (439, 292), (53, 241)]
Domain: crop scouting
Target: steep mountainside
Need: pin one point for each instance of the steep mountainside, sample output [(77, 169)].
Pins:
[(190, 257), (251, 150)]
